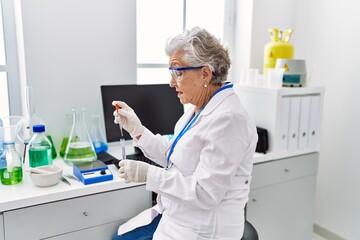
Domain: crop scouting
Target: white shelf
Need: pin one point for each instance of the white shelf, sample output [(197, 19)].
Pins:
[(292, 116), (284, 91)]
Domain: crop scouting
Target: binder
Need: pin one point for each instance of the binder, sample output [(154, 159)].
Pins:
[(284, 122), (314, 121), (294, 118), (304, 122)]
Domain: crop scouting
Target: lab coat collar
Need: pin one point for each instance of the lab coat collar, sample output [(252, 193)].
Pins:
[(211, 105), (216, 100)]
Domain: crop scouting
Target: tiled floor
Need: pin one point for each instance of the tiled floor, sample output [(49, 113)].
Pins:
[(318, 237)]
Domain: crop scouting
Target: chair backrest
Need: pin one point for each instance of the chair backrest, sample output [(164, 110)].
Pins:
[(250, 232)]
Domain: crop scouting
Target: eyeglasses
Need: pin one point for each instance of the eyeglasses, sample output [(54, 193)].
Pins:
[(177, 72)]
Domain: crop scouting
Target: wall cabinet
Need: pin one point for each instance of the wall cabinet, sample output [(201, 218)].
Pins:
[(291, 115), (282, 197), (90, 217)]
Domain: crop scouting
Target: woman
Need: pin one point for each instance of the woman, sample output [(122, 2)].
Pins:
[(204, 185)]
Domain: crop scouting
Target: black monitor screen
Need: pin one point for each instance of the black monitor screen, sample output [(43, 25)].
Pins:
[(157, 107)]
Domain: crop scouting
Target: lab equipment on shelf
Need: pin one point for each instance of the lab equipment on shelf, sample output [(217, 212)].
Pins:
[(279, 47), (40, 146), (79, 148), (10, 159)]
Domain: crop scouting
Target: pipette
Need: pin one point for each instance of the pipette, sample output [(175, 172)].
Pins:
[(121, 131), (122, 139)]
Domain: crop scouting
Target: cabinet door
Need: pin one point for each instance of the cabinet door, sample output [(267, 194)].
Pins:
[(58, 218), (283, 211)]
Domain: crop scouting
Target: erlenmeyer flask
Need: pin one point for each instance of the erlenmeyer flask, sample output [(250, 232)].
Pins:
[(65, 140), (80, 148), (97, 135), (10, 159), (32, 119)]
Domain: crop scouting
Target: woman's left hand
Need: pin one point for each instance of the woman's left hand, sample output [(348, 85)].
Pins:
[(133, 171)]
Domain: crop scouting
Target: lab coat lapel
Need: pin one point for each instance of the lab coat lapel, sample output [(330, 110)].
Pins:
[(214, 102)]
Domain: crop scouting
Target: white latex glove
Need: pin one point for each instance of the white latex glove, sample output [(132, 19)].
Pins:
[(128, 119), (133, 171)]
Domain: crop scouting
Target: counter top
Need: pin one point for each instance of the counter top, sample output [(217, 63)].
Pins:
[(27, 194), (271, 156)]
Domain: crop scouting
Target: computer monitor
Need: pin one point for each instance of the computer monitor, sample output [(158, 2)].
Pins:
[(157, 107)]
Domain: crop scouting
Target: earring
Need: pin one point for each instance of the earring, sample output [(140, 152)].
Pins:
[(205, 85)]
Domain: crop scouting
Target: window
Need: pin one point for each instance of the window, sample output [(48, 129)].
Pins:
[(154, 28), (10, 100)]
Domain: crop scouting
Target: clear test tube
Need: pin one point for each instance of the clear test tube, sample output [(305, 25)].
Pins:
[(122, 145)]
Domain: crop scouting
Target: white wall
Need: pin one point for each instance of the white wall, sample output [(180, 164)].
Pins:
[(329, 40), (73, 47), (327, 36)]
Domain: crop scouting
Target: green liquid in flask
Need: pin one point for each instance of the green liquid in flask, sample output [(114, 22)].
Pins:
[(11, 177), (64, 144), (40, 155), (81, 152)]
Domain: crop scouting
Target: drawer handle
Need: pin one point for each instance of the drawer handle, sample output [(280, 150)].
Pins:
[(85, 214), (286, 170)]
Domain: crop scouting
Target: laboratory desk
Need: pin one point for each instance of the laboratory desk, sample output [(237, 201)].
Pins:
[(281, 201), (282, 197), (69, 212)]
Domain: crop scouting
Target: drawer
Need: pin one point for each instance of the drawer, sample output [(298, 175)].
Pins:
[(2, 237), (57, 218), (282, 170), (100, 232)]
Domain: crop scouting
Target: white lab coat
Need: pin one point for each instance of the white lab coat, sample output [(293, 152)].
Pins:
[(203, 194)]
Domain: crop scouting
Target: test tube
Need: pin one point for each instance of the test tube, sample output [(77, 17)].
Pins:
[(122, 145)]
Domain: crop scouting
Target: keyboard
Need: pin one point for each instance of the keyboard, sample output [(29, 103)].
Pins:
[(109, 159)]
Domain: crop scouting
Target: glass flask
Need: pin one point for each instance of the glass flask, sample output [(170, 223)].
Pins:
[(32, 119), (40, 146), (80, 148), (10, 160), (65, 140), (97, 135)]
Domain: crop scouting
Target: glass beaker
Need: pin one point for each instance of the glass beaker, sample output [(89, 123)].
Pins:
[(97, 134), (10, 159), (80, 148)]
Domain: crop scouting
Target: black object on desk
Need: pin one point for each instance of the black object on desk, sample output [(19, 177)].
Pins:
[(139, 156), (263, 141)]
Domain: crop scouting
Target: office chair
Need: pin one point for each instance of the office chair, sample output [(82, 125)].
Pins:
[(250, 232)]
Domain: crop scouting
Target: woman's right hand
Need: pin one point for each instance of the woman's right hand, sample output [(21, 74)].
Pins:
[(128, 119)]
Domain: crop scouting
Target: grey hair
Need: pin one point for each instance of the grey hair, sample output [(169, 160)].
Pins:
[(200, 48)]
